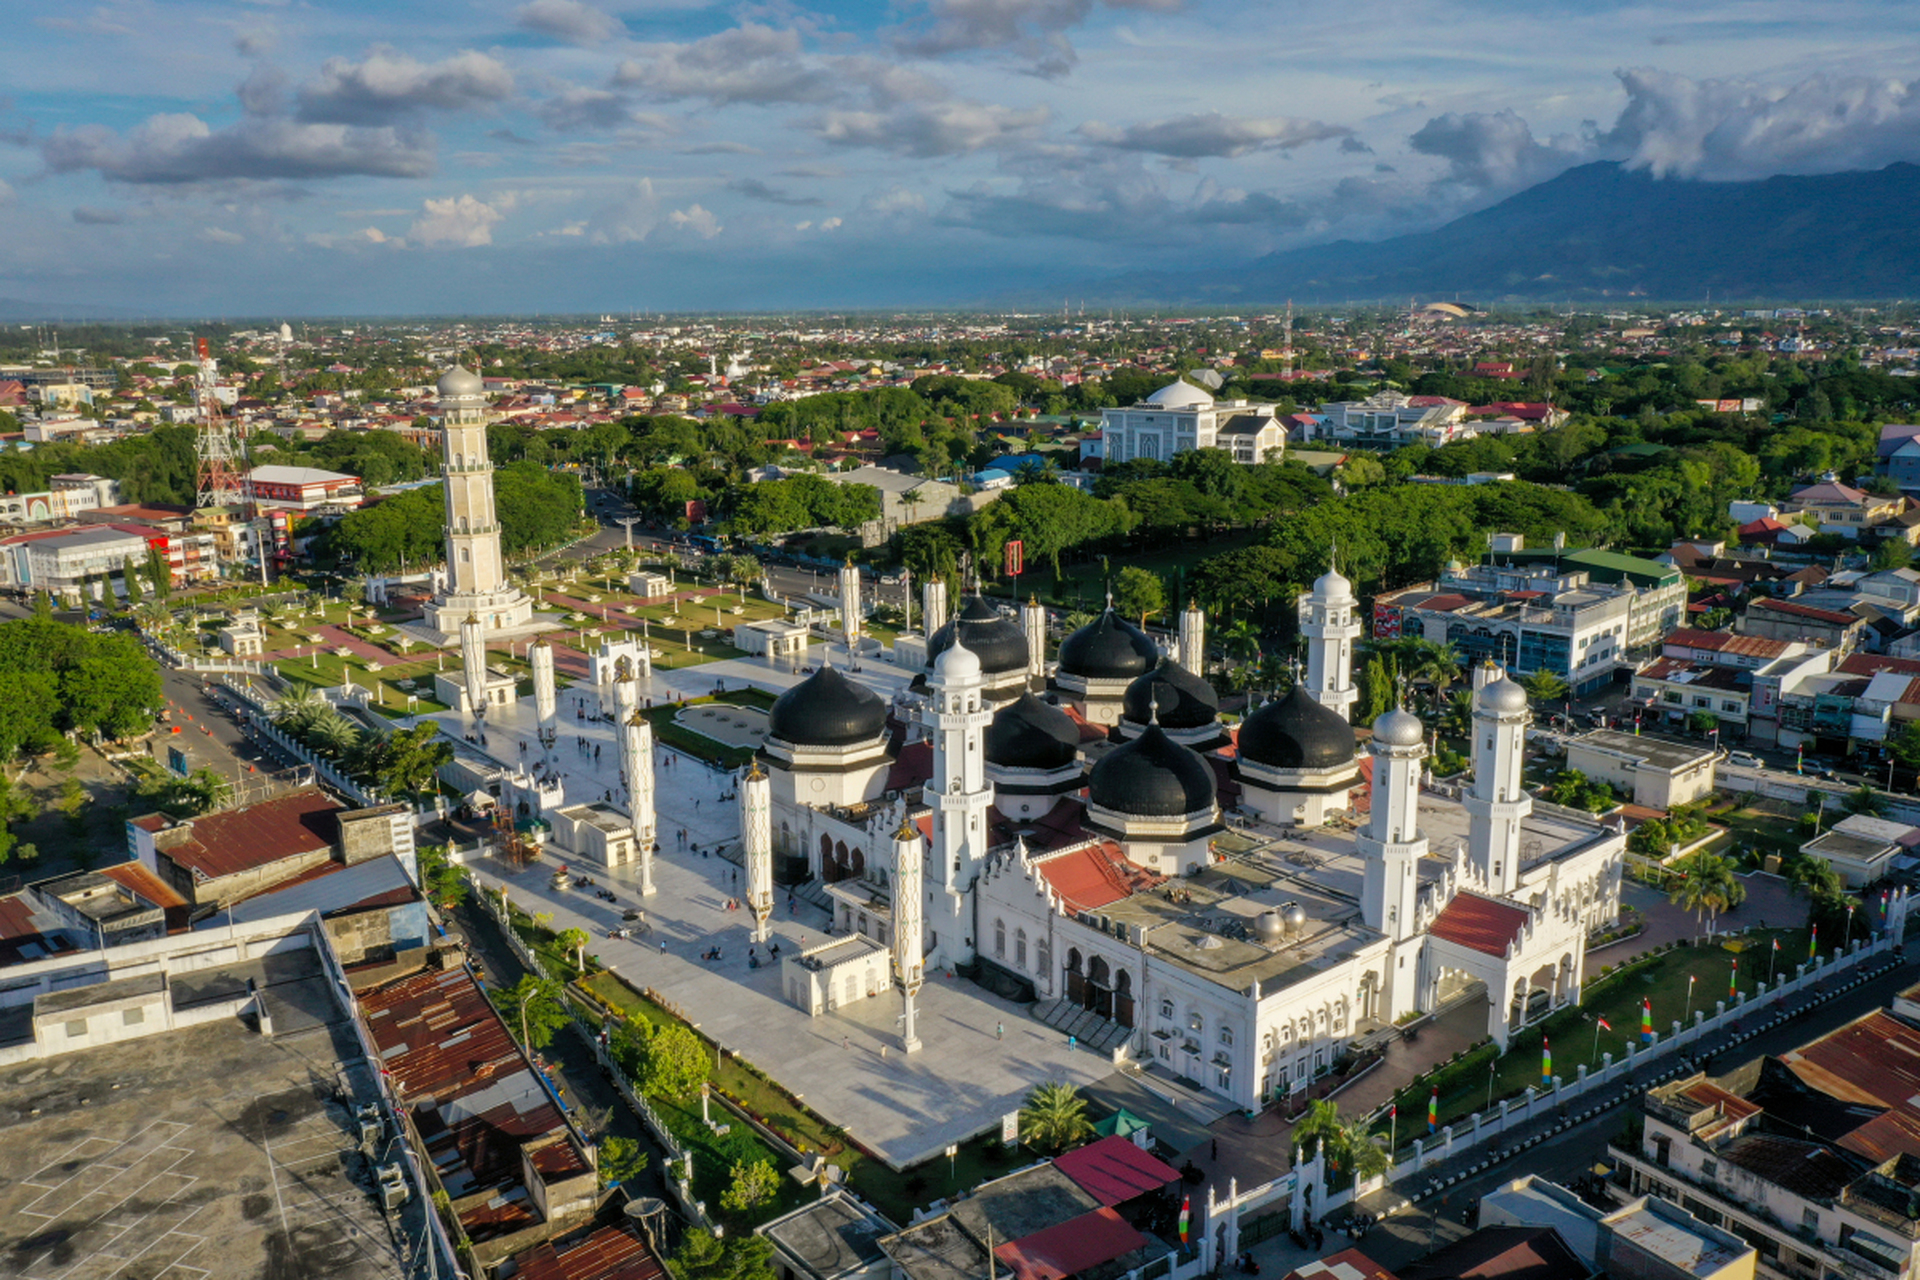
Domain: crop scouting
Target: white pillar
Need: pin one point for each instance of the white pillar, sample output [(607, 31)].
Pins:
[(756, 843), (1033, 623), (473, 664), (933, 604), (909, 940), (850, 617), (1193, 640), (636, 742), (544, 701)]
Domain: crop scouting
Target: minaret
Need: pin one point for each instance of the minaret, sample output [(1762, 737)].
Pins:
[(850, 616), (1033, 624), (1329, 621), (626, 693), (1193, 640), (909, 929), (540, 656), (1392, 844), (473, 663), (1498, 800), (636, 749), (756, 846), (476, 571), (956, 718), (933, 604)]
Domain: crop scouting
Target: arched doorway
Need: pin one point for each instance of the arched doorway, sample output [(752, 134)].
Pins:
[(1123, 999), (859, 864), (1076, 981), (840, 860), (1099, 988), (826, 858)]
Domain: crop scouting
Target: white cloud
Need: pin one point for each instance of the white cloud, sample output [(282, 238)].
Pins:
[(762, 64), (830, 224), (1211, 134), (629, 219), (567, 20), (387, 85), (220, 235), (1495, 150), (461, 221), (182, 148), (1033, 29), (930, 129), (697, 220)]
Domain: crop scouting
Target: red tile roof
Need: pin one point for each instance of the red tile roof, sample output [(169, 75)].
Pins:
[(1070, 1247), (616, 1252), (1807, 611), (1094, 876), (222, 844), (16, 917), (1114, 1171), (1727, 642), (1480, 923)]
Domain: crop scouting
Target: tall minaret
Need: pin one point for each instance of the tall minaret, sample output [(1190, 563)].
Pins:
[(540, 656), (909, 928), (476, 572), (626, 692), (756, 846), (1193, 640), (636, 748), (850, 616), (473, 664), (933, 604), (1033, 625), (1498, 800), (956, 718), (1391, 846), (1329, 621)]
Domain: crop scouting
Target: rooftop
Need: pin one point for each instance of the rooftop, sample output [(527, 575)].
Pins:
[(829, 1237), (1648, 748), (236, 840)]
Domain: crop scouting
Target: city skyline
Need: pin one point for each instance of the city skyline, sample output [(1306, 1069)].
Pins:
[(557, 155)]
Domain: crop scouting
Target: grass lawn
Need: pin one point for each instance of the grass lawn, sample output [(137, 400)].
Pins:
[(699, 745), (1616, 997), (896, 1195), (1756, 828)]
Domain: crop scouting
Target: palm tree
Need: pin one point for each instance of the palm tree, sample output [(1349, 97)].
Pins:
[(1707, 886), (1457, 718), (154, 616), (332, 734), (1864, 799), (1815, 879), (296, 710), (1240, 640), (1054, 1116)]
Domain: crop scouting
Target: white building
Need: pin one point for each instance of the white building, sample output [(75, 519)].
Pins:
[(1181, 416)]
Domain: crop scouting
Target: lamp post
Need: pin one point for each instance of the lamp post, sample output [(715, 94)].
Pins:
[(1689, 1012)]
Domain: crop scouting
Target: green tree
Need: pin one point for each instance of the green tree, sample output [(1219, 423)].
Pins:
[(1054, 1117), (1892, 553), (575, 940), (1545, 686), (1705, 884), (130, 575), (544, 1004), (1139, 593), (406, 761), (705, 1256), (675, 1063), (1864, 799), (444, 883), (621, 1160), (16, 806), (753, 1184), (202, 791)]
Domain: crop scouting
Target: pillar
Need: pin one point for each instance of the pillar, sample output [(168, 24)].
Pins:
[(909, 929), (473, 664), (933, 604), (1033, 624), (756, 845), (1193, 640), (544, 689), (636, 741), (850, 615)]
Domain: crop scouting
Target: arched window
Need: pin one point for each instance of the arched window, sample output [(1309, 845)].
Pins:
[(1097, 971), (1000, 939), (1042, 958), (1123, 982), (1020, 948), (1073, 959), (859, 862)]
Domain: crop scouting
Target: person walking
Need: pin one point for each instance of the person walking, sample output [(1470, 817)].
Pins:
[(999, 1031), (1071, 1042)]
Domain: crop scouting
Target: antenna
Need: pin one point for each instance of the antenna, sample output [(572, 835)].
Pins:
[(220, 483)]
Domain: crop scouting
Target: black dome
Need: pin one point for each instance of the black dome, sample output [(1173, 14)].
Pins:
[(1297, 733), (1000, 646), (1108, 648), (1182, 699), (1152, 777), (1030, 734), (826, 710)]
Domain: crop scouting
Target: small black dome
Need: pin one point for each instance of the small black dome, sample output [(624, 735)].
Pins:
[(1030, 734), (826, 710), (1182, 699), (1108, 648), (1152, 777), (1000, 645), (1296, 733)]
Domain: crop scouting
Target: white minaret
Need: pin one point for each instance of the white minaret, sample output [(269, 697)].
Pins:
[(850, 616), (1330, 622), (636, 747), (909, 929), (956, 718), (473, 664), (1498, 800), (933, 604), (476, 571), (1193, 640), (1033, 624), (626, 692), (756, 846), (540, 655), (1392, 844)]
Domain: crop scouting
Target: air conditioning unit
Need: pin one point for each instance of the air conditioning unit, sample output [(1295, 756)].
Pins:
[(394, 1190)]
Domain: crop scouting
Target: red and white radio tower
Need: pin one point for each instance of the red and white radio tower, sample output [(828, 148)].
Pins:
[(221, 482)]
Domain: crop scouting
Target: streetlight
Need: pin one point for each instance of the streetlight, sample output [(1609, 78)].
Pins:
[(1689, 1013)]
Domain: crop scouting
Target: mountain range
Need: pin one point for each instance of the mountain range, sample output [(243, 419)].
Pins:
[(1601, 231)]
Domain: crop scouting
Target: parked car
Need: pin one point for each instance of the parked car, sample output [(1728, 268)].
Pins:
[(1745, 759)]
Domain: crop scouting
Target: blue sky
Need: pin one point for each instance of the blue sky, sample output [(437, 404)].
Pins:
[(272, 157)]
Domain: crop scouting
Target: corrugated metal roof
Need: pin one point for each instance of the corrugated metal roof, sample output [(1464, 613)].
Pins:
[(1070, 1247), (221, 844), (1113, 1170), (616, 1252)]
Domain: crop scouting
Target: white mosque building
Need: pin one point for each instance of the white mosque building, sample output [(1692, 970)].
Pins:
[(1165, 885)]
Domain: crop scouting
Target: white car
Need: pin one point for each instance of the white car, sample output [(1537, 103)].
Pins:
[(1745, 759)]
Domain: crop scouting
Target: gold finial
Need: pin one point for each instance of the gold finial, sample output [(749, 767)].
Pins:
[(754, 774), (636, 718), (907, 830)]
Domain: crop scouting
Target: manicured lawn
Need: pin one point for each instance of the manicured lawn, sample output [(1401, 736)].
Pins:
[(699, 745), (1754, 828), (1616, 997)]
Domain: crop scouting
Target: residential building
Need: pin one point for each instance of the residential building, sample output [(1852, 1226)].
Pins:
[(66, 497), (304, 488), (1647, 1238), (1674, 690), (1842, 509), (1728, 648), (1657, 772), (1181, 416), (904, 500), (1862, 848), (1898, 455), (111, 907), (1808, 1156), (1791, 620), (835, 1238), (1770, 683), (1389, 419), (1659, 591)]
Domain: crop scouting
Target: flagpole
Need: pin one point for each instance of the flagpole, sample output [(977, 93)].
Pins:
[(1595, 1060)]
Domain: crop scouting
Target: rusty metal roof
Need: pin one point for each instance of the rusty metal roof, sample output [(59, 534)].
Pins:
[(615, 1252)]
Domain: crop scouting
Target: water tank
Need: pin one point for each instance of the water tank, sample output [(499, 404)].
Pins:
[(1295, 917), (1268, 927)]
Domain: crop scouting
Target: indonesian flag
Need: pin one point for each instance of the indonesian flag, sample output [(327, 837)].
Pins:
[(1604, 1024), (1776, 944), (1186, 1205), (1393, 1111), (1733, 982)]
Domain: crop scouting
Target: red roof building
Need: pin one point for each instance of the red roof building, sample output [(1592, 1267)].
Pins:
[(615, 1252), (1069, 1248), (1114, 1171), (220, 857), (1480, 924)]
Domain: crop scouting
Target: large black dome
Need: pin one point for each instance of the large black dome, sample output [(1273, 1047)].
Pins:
[(826, 710), (1296, 733), (1030, 734), (1000, 645), (1183, 700), (1152, 777), (1108, 648)]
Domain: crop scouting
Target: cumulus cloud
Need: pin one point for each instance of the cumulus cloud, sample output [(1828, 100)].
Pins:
[(387, 85), (925, 130), (1494, 150), (586, 111), (463, 222), (220, 235), (830, 224), (1032, 29), (755, 63), (627, 220), (754, 189), (567, 20), (697, 220), (182, 148), (1734, 129), (1211, 134)]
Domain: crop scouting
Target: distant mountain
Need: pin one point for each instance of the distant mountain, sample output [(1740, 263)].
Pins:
[(1602, 231)]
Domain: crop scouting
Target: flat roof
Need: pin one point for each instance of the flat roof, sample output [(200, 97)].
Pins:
[(830, 1237), (1662, 753), (1667, 1236)]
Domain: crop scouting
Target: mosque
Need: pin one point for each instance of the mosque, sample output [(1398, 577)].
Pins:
[(1235, 902)]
